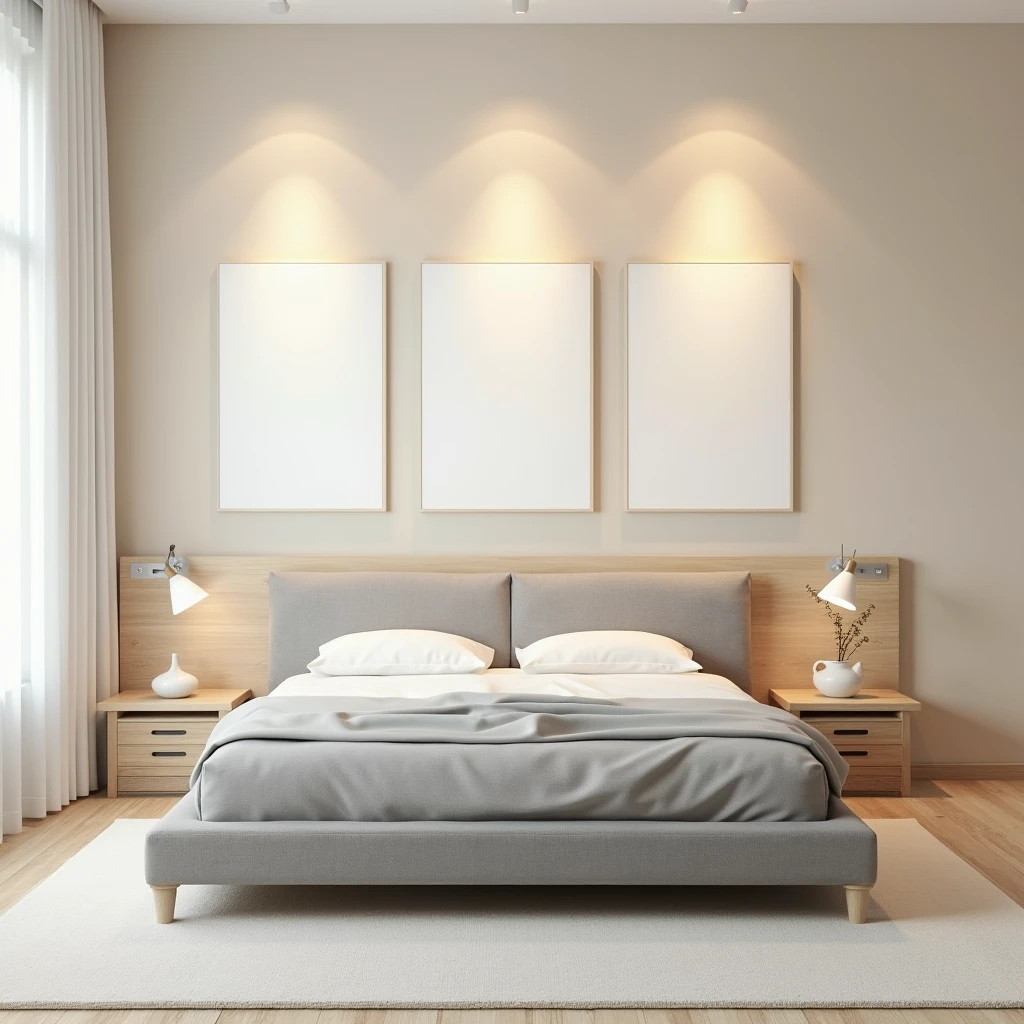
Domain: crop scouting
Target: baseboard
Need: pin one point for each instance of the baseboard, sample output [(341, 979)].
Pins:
[(1008, 770)]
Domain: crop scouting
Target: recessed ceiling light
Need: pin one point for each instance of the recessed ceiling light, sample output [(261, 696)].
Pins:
[(279, 6), (737, 6), (520, 6)]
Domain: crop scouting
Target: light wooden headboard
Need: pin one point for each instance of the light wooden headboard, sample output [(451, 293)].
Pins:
[(224, 639)]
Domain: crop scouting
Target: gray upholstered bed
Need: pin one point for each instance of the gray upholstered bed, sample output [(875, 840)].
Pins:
[(757, 804)]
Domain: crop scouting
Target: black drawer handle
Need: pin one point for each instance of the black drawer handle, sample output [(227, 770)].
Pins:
[(167, 732), (854, 753), (169, 753), (850, 732)]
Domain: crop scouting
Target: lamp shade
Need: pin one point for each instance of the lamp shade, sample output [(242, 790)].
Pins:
[(842, 590), (184, 593)]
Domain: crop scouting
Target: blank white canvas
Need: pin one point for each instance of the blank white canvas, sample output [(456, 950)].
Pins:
[(710, 393), (507, 364), (301, 379)]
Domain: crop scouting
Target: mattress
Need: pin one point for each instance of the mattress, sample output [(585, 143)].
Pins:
[(504, 745), (685, 686)]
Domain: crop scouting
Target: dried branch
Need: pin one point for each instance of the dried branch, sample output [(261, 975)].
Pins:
[(850, 638)]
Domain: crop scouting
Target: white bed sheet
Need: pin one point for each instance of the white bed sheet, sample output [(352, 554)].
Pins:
[(515, 680)]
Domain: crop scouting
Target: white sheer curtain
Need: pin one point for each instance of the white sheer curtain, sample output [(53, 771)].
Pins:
[(59, 524), (21, 328)]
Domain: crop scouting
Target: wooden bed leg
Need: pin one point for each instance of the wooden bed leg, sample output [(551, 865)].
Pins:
[(857, 897), (163, 899)]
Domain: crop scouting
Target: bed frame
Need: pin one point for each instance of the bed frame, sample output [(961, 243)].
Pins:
[(709, 611)]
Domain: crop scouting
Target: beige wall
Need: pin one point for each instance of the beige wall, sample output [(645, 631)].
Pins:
[(887, 162)]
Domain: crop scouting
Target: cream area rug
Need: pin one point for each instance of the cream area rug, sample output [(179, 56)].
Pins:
[(938, 935)]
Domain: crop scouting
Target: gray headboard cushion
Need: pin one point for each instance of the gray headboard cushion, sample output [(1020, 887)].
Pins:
[(309, 608), (707, 611)]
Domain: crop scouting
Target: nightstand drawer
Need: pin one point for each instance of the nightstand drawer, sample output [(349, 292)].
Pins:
[(863, 755), (159, 770), (873, 780), (854, 729), (154, 731), (152, 783), (183, 755)]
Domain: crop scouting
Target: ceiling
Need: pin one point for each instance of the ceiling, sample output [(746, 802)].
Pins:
[(235, 12)]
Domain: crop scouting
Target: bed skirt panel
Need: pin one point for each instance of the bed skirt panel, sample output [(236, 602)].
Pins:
[(181, 849)]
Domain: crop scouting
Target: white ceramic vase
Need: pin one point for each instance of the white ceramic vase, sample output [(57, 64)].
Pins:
[(175, 682), (837, 678)]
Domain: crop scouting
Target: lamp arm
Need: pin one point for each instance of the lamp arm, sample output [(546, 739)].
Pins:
[(169, 569), (841, 563)]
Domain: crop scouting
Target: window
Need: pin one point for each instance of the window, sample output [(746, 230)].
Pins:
[(21, 187)]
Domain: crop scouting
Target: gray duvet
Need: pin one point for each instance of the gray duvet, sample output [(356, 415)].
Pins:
[(513, 757)]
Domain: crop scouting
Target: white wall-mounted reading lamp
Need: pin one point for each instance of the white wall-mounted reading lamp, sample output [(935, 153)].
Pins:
[(184, 593), (842, 589)]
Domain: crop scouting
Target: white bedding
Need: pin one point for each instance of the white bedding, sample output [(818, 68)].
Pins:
[(514, 680)]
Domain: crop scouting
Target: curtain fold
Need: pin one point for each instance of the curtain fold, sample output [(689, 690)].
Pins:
[(68, 614)]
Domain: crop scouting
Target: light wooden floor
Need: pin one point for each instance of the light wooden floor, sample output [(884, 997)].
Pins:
[(982, 821)]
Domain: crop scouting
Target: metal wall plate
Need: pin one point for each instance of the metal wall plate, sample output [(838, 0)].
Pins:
[(872, 570), (155, 570)]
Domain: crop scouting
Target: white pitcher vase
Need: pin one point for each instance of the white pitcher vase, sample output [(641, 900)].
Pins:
[(175, 682), (837, 678)]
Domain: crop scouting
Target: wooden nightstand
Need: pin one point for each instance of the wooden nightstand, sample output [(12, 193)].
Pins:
[(870, 730), (153, 742)]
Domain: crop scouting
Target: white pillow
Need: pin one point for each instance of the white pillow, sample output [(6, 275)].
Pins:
[(607, 652), (400, 652)]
